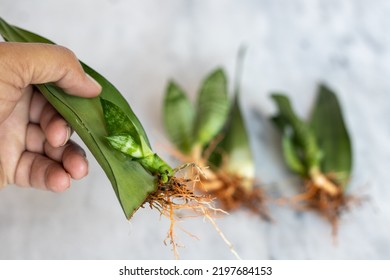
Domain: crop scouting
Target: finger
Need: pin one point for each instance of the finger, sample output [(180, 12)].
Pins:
[(55, 128), (75, 161), (35, 139), (40, 172), (35, 63), (72, 156), (38, 102)]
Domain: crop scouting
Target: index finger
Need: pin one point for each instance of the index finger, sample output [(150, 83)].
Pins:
[(36, 63)]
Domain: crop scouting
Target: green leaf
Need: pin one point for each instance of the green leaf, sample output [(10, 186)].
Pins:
[(235, 145), (236, 142), (117, 122), (291, 156), (130, 181), (332, 135), (234, 150), (212, 107), (302, 137), (119, 125), (178, 114)]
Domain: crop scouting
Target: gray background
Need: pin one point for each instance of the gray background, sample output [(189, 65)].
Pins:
[(139, 45)]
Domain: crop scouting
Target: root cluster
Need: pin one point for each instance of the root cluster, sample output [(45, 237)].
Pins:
[(177, 199), (232, 192), (329, 205)]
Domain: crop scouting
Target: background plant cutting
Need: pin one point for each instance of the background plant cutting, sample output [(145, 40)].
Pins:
[(213, 134), (320, 151)]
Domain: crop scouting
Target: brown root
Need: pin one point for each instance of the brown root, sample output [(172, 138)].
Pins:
[(234, 192), (231, 192), (177, 199), (329, 205)]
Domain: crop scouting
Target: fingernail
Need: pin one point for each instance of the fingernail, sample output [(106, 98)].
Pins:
[(68, 133), (94, 82)]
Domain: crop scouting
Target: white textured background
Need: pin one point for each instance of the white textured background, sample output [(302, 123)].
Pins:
[(139, 45)]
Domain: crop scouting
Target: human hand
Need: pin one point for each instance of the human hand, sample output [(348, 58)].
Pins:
[(35, 149)]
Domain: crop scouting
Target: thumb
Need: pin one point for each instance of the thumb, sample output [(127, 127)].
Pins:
[(34, 63)]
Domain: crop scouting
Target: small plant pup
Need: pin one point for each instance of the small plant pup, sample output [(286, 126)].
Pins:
[(318, 150), (213, 134)]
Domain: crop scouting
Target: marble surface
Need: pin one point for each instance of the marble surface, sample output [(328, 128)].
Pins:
[(292, 45)]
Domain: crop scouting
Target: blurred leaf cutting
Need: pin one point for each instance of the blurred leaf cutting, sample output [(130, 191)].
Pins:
[(212, 133), (318, 150)]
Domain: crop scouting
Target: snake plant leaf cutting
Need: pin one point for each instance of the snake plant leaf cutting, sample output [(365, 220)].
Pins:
[(215, 136), (131, 182), (328, 125), (319, 150)]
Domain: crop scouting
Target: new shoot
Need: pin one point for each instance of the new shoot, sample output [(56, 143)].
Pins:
[(319, 151)]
